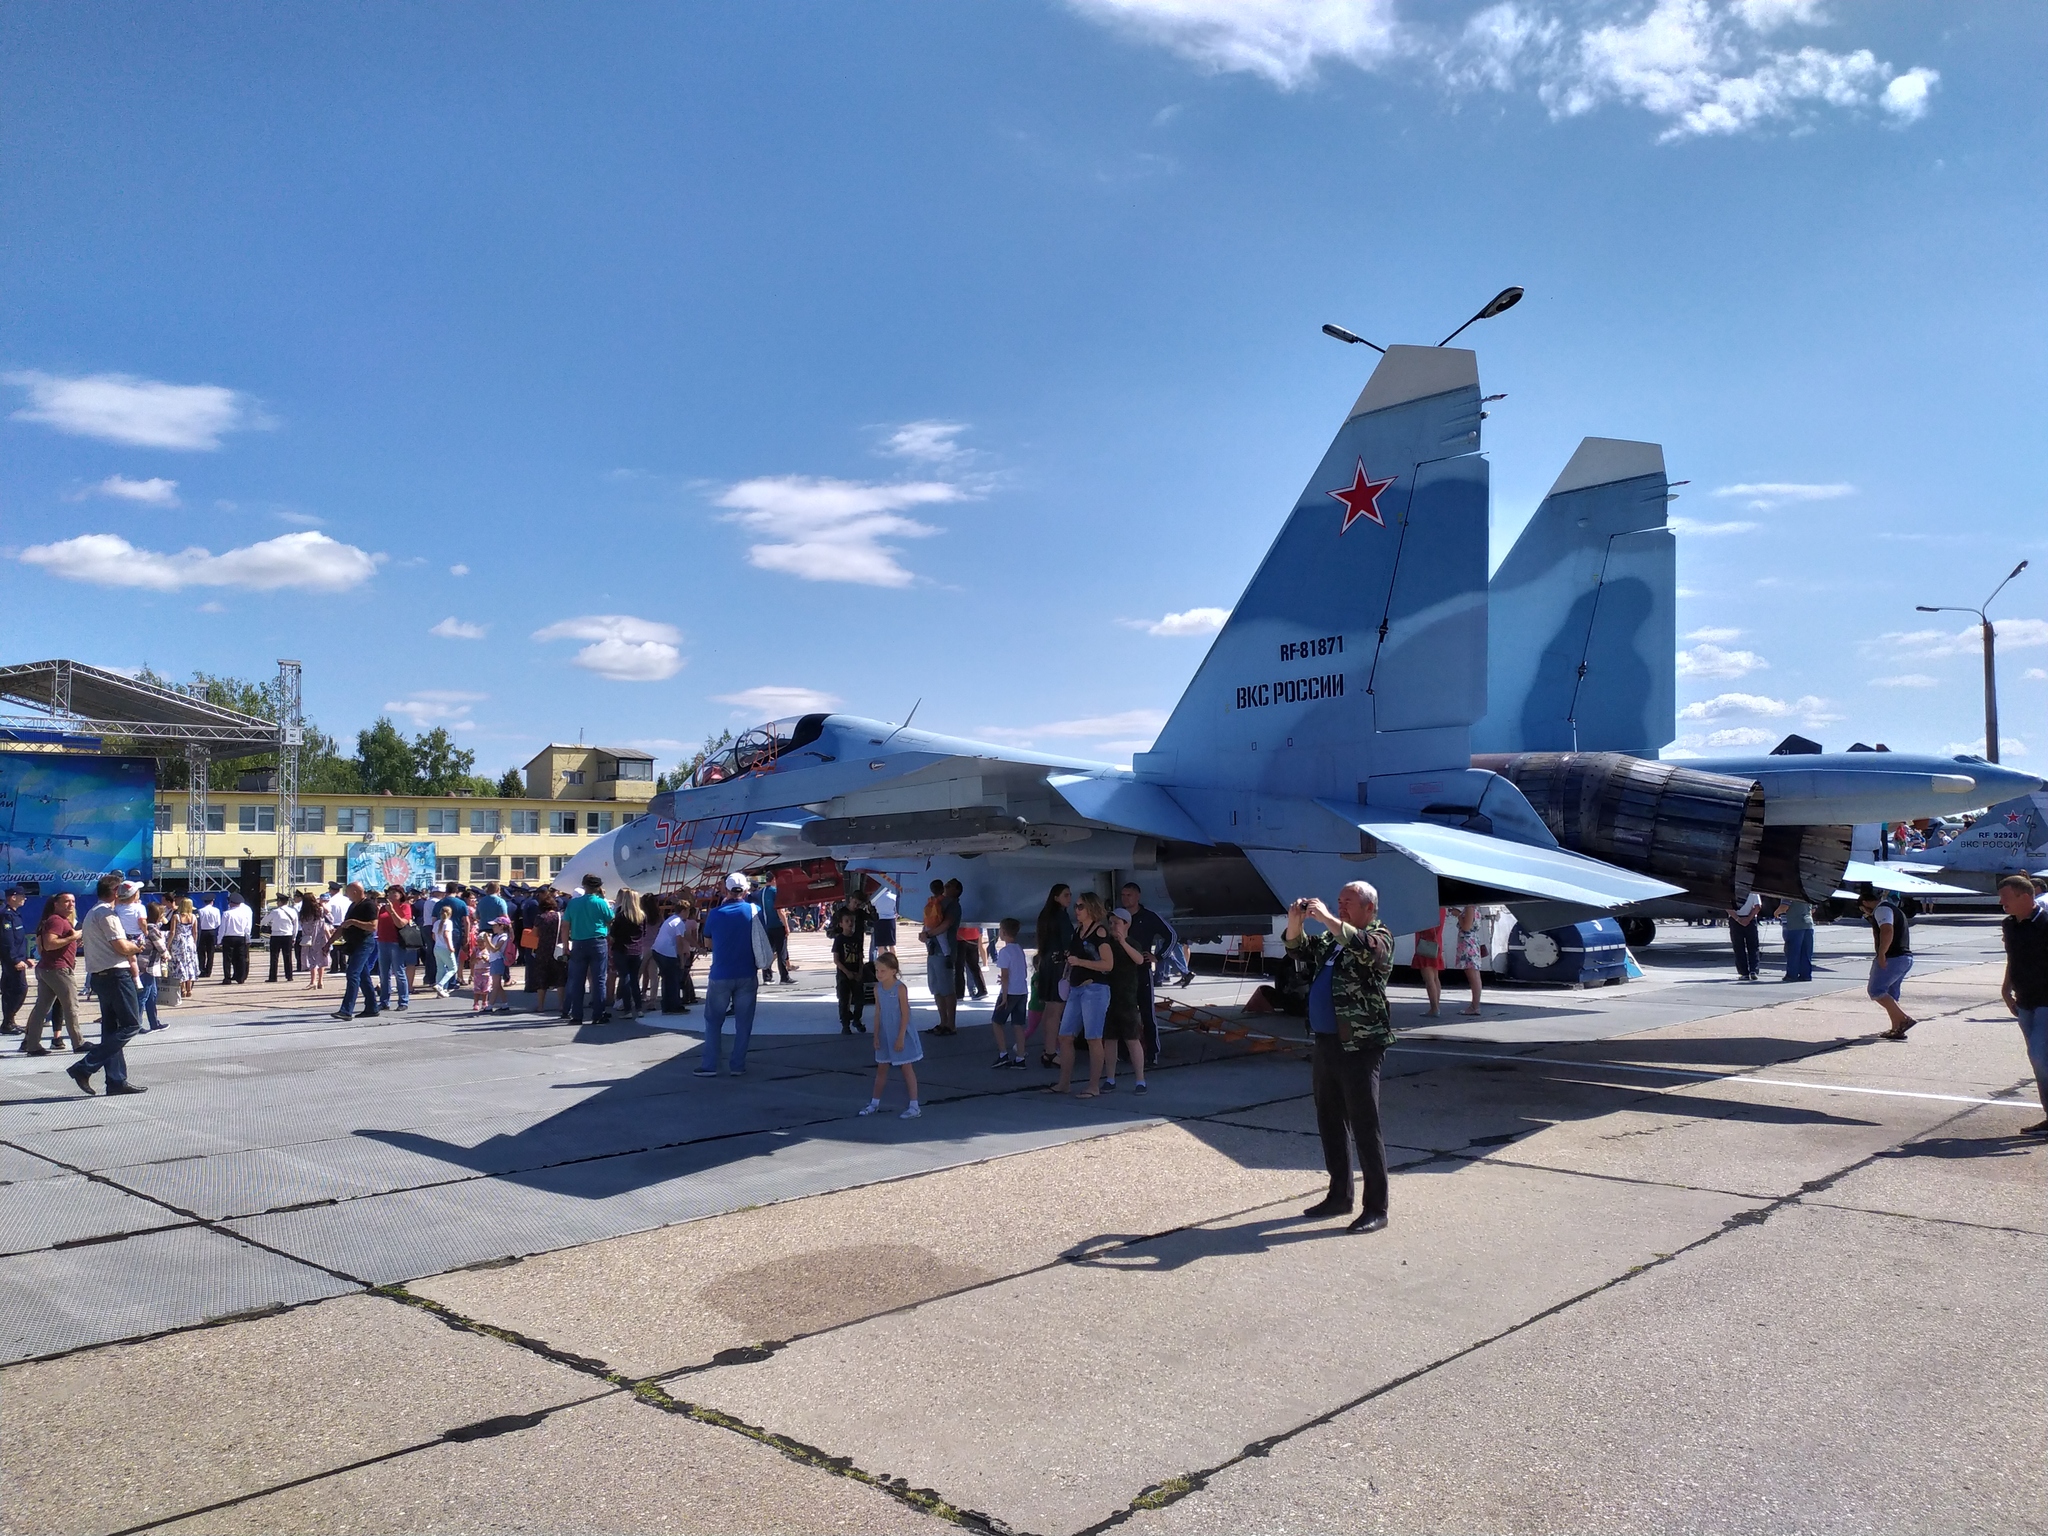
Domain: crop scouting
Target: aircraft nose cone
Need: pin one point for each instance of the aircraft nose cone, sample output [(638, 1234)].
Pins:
[(593, 858)]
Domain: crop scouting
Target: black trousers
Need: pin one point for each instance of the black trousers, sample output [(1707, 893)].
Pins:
[(778, 940), (1743, 935), (287, 946), (207, 938), (851, 999), (1347, 1090), (234, 961), (13, 993)]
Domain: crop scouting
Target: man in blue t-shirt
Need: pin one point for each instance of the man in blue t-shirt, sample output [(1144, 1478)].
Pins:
[(732, 987), (490, 906), (588, 917)]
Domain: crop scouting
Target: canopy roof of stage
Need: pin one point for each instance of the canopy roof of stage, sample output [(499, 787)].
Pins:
[(73, 699)]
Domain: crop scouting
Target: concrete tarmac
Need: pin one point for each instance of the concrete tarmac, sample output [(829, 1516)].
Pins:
[(1684, 1255)]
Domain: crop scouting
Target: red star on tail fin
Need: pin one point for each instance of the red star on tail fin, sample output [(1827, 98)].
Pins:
[(1361, 498)]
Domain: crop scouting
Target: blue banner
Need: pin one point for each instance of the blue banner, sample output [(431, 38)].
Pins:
[(66, 818), (377, 866)]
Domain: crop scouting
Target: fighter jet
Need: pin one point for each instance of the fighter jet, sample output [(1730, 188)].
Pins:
[(1326, 736), (1580, 669), (2008, 839)]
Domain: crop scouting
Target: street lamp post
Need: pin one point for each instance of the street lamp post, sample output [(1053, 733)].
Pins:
[(1990, 662)]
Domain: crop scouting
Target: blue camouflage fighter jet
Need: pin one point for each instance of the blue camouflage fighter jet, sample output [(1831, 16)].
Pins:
[(1325, 738)]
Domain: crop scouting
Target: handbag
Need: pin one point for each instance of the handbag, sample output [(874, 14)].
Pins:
[(529, 938), (409, 935), (764, 952), (1427, 949)]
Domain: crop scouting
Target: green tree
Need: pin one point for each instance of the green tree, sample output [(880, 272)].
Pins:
[(513, 785), (679, 776), (439, 766), (322, 768), (386, 761)]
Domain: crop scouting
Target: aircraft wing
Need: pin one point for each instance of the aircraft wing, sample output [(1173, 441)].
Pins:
[(1130, 805), (1453, 853), (1889, 877)]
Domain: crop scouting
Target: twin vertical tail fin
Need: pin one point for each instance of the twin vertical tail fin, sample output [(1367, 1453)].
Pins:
[(1366, 621), (1583, 613)]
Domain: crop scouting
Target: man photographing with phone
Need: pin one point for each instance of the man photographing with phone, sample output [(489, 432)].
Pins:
[(1350, 1023)]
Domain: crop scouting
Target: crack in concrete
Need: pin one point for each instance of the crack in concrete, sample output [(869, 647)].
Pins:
[(1172, 1490)]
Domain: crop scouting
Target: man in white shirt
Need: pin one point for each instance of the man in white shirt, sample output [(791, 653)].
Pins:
[(1742, 934), (671, 941), (281, 922), (235, 922), (883, 901), (208, 918), (107, 956), (336, 904)]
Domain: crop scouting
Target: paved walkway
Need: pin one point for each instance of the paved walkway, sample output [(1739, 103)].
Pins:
[(1742, 1267)]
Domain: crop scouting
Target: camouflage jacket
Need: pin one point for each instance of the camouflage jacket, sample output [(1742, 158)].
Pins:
[(1359, 986)]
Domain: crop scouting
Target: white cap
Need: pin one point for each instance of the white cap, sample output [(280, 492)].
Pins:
[(736, 882), (1121, 915)]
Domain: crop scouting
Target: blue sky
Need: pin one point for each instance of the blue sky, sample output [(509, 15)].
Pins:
[(640, 370)]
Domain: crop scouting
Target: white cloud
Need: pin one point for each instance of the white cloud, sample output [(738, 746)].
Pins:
[(1282, 40), (1741, 736), (623, 648), (1116, 732), (1704, 66), (458, 570), (1702, 530), (308, 520), (1706, 660), (213, 608), (1936, 644), (436, 706), (769, 702), (1722, 705), (452, 628), (1906, 680), (1678, 755), (1906, 96), (1715, 635), (1193, 621), (311, 561), (2008, 746), (121, 408), (833, 530), (927, 442), (154, 492), (1768, 493), (1814, 711), (2035, 675)]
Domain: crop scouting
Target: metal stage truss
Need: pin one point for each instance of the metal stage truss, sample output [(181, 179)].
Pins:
[(72, 699)]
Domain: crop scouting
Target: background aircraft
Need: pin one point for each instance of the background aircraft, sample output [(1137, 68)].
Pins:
[(2008, 839), (1326, 736)]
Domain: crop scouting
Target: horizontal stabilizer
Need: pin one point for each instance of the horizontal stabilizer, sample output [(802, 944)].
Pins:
[(1453, 853), (1128, 805), (1889, 877)]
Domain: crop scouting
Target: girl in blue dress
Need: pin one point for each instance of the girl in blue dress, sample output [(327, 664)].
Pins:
[(896, 1041)]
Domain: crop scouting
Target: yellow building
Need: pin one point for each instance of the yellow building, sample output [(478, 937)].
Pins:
[(476, 838)]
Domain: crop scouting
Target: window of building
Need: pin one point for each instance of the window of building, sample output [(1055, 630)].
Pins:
[(557, 862), (486, 869), (448, 871), (163, 818), (443, 822), (354, 819), (401, 818), (266, 871), (526, 866), (255, 818), (572, 776), (523, 822), (309, 818), (216, 817), (595, 822), (485, 822), (628, 768), (562, 823), (308, 871)]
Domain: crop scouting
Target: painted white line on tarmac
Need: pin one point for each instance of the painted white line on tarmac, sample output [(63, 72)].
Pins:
[(1708, 1077)]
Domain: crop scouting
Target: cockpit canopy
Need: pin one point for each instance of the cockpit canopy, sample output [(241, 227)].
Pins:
[(756, 750)]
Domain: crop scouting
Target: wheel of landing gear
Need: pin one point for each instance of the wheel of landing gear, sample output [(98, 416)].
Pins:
[(1639, 932)]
